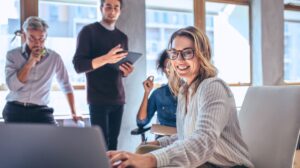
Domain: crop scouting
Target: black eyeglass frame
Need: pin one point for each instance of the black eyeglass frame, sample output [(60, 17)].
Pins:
[(173, 56)]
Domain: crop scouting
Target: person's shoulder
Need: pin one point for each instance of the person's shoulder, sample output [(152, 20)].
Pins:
[(53, 54), (213, 80), (161, 89), (89, 27), (215, 83), (15, 51)]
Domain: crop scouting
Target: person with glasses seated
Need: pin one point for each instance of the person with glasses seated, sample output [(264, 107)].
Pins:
[(208, 131), (162, 100), (29, 72)]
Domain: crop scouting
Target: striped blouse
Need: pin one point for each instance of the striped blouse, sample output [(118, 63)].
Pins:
[(207, 130)]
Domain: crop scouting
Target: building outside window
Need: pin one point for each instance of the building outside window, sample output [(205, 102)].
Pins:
[(66, 18), (9, 23), (227, 26), (291, 46), (162, 19)]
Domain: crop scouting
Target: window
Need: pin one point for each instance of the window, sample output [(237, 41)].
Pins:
[(291, 46), (162, 19), (66, 19), (9, 22), (227, 26)]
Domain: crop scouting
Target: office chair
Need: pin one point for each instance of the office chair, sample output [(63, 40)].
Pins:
[(270, 122)]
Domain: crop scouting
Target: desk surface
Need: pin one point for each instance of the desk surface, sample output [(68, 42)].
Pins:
[(163, 130)]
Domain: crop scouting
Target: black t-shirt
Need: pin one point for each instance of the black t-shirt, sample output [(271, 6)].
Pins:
[(104, 85)]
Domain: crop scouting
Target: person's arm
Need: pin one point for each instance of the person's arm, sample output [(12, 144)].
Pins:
[(34, 58), (147, 107), (110, 58), (82, 60), (11, 72), (142, 113), (65, 85), (16, 76), (127, 159), (212, 115), (71, 101)]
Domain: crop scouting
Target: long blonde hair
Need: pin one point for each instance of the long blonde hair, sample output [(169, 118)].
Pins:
[(174, 80), (202, 52)]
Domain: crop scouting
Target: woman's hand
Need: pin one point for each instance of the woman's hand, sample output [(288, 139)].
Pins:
[(121, 159), (148, 84)]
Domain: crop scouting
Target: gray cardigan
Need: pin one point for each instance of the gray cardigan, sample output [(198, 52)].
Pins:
[(208, 132)]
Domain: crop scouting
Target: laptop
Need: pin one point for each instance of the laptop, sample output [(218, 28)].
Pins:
[(44, 146)]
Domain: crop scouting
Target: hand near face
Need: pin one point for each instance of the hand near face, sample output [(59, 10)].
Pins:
[(36, 55), (126, 69), (148, 84), (120, 159)]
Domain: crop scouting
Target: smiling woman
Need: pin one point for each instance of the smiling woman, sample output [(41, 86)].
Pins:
[(208, 132)]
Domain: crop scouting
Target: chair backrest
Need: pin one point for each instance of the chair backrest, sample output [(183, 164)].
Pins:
[(270, 122)]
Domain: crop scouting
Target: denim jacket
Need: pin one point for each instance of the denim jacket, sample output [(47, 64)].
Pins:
[(164, 103)]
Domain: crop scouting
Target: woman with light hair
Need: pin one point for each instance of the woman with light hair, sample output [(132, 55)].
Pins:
[(208, 131)]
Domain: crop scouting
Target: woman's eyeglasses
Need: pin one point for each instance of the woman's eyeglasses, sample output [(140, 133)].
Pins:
[(186, 54)]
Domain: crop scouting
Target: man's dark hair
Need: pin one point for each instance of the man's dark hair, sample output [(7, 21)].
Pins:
[(121, 3)]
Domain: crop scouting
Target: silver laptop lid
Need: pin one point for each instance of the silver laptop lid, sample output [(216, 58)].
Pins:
[(44, 146)]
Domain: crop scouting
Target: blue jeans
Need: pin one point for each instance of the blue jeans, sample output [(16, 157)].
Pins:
[(16, 113), (109, 119)]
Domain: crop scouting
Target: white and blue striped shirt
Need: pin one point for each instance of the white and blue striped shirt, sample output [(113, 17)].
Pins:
[(37, 88), (207, 130)]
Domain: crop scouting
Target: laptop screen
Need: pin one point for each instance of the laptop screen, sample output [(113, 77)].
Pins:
[(44, 146)]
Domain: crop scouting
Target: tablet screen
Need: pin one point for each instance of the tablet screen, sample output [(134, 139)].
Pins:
[(131, 57)]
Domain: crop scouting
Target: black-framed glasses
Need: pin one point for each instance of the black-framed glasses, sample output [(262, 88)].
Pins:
[(186, 54)]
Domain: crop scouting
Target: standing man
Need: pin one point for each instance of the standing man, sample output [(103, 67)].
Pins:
[(99, 45), (29, 72)]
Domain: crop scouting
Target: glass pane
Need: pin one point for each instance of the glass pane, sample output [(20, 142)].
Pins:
[(65, 20), (227, 27), (162, 19), (291, 46), (9, 22)]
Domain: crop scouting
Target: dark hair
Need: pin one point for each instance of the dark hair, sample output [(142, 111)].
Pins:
[(160, 63), (103, 1)]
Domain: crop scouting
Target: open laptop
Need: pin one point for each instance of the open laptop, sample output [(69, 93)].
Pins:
[(43, 146)]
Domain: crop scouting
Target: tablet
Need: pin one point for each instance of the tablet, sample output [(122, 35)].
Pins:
[(131, 57)]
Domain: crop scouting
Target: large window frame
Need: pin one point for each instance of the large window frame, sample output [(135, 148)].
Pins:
[(291, 7), (200, 22), (30, 8)]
